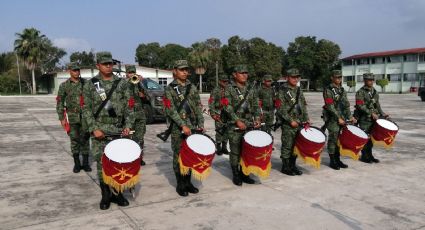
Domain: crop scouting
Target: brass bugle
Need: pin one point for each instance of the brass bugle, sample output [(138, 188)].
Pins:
[(135, 79)]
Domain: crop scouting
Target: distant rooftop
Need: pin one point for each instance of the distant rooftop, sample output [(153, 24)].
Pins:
[(386, 53)]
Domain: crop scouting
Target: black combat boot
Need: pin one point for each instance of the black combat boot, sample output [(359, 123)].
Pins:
[(188, 184), (218, 148), (339, 162), (286, 169), (245, 178), (181, 188), (294, 167), (86, 165), (365, 157), (224, 148), (119, 199), (373, 159), (333, 162), (236, 176), (77, 163), (106, 196)]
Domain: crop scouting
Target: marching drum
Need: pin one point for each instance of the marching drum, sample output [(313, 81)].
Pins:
[(309, 145), (197, 153), (384, 132), (121, 164), (257, 147), (351, 141)]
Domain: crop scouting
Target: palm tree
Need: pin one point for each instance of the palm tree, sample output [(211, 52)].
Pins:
[(30, 46), (199, 58)]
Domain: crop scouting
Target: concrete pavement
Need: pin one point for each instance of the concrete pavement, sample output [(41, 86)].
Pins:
[(39, 191)]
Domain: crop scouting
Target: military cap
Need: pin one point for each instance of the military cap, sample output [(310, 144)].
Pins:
[(293, 72), (104, 57), (336, 73), (368, 76), (240, 69), (267, 77), (181, 64), (223, 77), (73, 66), (130, 68)]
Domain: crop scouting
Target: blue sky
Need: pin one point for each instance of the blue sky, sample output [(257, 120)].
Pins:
[(358, 26)]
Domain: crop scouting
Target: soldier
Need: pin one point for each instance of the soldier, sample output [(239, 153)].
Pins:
[(267, 96), (336, 112), (70, 98), (368, 109), (242, 110), (215, 107), (139, 95), (183, 109), (293, 113), (108, 108)]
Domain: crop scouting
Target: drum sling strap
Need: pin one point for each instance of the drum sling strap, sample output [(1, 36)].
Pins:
[(105, 100)]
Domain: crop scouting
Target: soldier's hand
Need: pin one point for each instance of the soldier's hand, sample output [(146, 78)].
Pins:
[(341, 121), (186, 130), (240, 125), (141, 94), (385, 115), (216, 117), (375, 116), (98, 134), (257, 124), (353, 120), (125, 132), (294, 124)]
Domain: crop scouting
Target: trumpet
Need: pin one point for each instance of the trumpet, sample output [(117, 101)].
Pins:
[(135, 79)]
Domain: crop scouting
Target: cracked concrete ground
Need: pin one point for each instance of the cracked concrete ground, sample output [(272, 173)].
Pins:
[(39, 191)]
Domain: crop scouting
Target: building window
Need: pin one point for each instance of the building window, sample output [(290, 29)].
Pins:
[(162, 81), (359, 78), (421, 57), (395, 59), (379, 60), (410, 58), (394, 77), (348, 78), (410, 77), (379, 76)]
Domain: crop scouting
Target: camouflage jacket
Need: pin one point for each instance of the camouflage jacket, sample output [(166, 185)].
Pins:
[(214, 102), (287, 101), (190, 115), (267, 97), (336, 103), (367, 102), (246, 112), (70, 96), (139, 112), (121, 100)]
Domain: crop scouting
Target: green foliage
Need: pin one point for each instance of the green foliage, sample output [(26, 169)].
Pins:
[(8, 85), (7, 62), (382, 82), (314, 59), (351, 83), (155, 56), (86, 60)]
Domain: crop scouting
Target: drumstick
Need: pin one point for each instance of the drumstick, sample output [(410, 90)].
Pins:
[(251, 126)]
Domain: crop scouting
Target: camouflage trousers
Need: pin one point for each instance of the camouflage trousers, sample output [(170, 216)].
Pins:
[(97, 149), (333, 132), (235, 141), (288, 141), (79, 139), (220, 138), (176, 141), (367, 126), (268, 119), (139, 134)]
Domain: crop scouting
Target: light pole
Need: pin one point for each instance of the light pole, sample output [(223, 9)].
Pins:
[(200, 71)]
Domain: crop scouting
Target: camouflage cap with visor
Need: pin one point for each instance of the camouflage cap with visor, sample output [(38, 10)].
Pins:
[(294, 72), (73, 66), (336, 73), (267, 77), (181, 64), (104, 57), (368, 76), (240, 69), (130, 68)]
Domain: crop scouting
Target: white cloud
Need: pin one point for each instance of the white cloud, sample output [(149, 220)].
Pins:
[(72, 44)]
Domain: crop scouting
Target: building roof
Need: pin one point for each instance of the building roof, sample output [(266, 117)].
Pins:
[(386, 53)]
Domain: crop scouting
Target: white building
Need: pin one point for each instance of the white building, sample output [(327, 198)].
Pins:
[(403, 68), (163, 77)]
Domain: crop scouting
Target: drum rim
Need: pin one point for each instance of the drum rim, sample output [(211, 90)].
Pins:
[(136, 153), (358, 128), (203, 136), (386, 120), (318, 129), (261, 131)]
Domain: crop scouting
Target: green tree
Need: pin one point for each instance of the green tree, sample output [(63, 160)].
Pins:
[(172, 52), (199, 58), (51, 57), (86, 59), (149, 55), (30, 47), (314, 59), (264, 58), (7, 62), (382, 82), (234, 53)]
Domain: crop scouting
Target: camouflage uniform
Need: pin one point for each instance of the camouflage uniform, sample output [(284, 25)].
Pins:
[(70, 97), (267, 96), (288, 97), (215, 109), (139, 112), (336, 106), (190, 116), (367, 103), (247, 112)]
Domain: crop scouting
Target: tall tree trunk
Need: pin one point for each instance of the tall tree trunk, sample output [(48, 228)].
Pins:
[(34, 90)]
